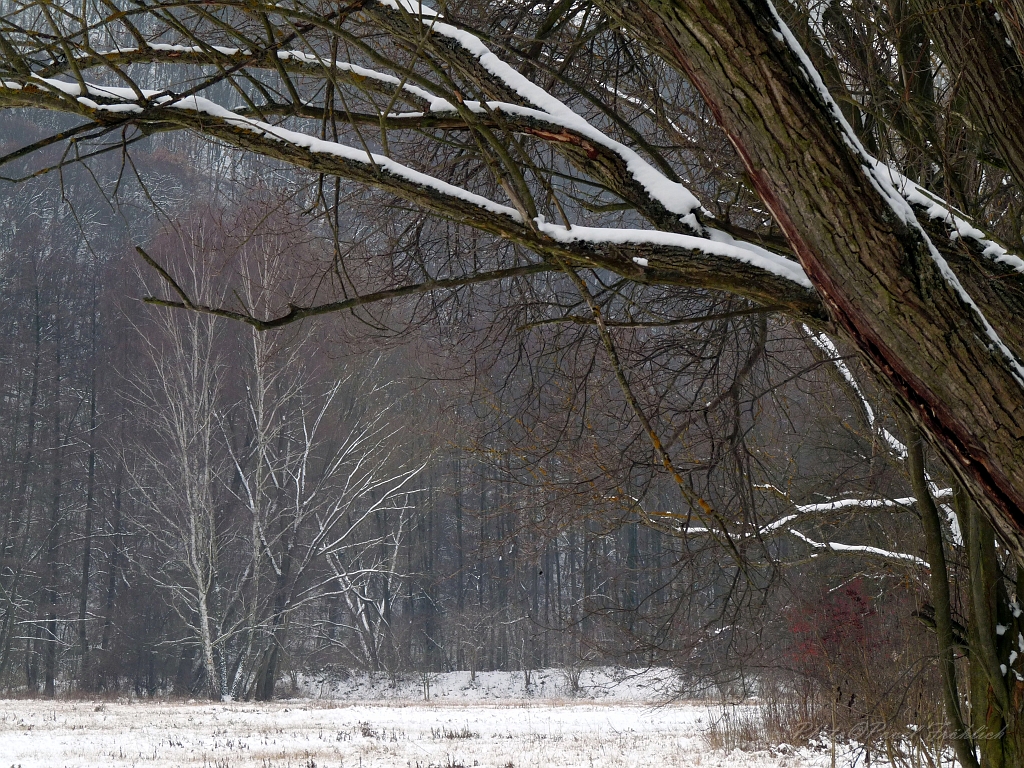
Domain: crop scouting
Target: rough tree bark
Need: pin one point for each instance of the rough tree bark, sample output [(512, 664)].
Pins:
[(870, 259)]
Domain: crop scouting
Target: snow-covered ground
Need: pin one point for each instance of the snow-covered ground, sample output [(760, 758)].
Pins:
[(369, 724), (598, 683), (304, 734)]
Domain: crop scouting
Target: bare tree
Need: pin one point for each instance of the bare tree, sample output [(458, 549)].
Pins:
[(180, 475), (327, 499), (266, 486)]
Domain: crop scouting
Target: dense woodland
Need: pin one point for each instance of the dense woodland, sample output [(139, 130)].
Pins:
[(403, 348), (325, 503)]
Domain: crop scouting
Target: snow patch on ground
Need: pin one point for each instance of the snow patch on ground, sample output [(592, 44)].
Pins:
[(608, 684)]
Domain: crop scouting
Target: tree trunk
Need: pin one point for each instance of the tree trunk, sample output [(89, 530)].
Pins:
[(53, 543), (939, 584), (267, 676), (113, 562), (206, 639), (84, 678), (883, 278), (995, 697)]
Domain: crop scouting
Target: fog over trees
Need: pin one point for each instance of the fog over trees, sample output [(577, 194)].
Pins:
[(400, 339)]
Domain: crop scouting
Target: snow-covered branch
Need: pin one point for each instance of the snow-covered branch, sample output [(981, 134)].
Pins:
[(885, 554), (170, 85)]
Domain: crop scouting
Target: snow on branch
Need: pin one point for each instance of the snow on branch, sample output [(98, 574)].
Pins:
[(294, 61), (720, 244), (901, 195), (715, 261), (783, 526), (959, 228), (899, 557), (826, 345), (831, 506), (551, 121), (671, 195)]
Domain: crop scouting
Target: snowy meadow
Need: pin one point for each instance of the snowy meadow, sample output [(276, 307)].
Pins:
[(363, 725), (304, 734)]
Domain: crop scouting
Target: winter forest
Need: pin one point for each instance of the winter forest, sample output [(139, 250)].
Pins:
[(387, 340)]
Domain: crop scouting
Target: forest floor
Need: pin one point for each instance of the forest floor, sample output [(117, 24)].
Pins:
[(303, 733)]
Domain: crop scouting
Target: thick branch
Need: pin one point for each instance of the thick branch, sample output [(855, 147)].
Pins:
[(884, 281), (644, 256), (296, 312)]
